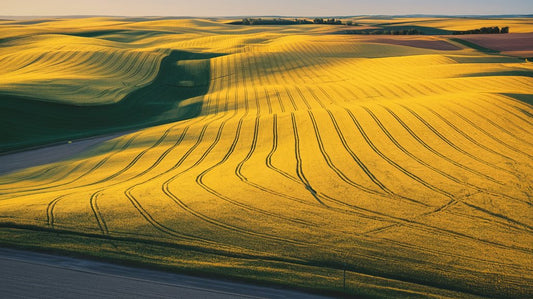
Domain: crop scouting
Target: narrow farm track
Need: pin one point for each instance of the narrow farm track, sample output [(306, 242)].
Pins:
[(280, 154), (299, 170), (97, 214), (50, 211)]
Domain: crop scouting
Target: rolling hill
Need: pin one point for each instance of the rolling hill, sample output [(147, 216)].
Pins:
[(280, 154)]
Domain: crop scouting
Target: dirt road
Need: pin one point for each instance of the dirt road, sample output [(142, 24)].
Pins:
[(33, 275)]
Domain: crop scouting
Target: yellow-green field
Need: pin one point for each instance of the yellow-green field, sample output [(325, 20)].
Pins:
[(407, 165)]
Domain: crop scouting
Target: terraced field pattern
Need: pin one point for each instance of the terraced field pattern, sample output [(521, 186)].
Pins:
[(388, 166)]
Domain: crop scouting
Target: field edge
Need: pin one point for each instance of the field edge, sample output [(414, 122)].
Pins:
[(291, 276)]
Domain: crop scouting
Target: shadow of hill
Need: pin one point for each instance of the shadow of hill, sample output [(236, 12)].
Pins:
[(526, 98), (516, 73), (120, 35), (475, 46), (28, 122)]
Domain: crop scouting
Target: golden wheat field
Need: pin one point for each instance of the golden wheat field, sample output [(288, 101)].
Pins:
[(406, 161)]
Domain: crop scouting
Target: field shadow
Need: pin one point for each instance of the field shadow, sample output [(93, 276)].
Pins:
[(494, 58), (474, 46), (516, 73), (120, 35), (526, 98), (175, 94)]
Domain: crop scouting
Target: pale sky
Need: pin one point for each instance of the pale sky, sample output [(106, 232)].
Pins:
[(261, 7)]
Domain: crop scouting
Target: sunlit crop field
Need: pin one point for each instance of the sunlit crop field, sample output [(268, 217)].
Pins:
[(406, 161)]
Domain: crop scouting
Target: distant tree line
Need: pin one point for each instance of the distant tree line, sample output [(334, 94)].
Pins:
[(422, 31), (385, 32), (331, 21), (276, 21), (484, 30), (280, 21)]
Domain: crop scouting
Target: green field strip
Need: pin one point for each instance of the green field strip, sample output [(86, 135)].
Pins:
[(474, 46)]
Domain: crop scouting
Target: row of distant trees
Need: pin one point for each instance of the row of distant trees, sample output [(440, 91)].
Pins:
[(397, 32), (414, 31), (385, 32), (331, 21), (277, 21), (280, 21), (484, 30)]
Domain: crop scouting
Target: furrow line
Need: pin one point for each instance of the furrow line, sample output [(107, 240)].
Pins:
[(227, 226), (157, 225), (453, 199), (29, 177), (72, 170), (50, 218), (353, 154), (243, 178), (200, 177), (488, 134), (395, 142), (274, 148), (97, 215), (96, 166), (299, 168), (431, 149), (506, 117), (363, 166), (511, 113), (453, 145), (471, 139), (337, 171), (498, 215), (496, 125)]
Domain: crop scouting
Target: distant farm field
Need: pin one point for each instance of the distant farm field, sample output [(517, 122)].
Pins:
[(388, 166)]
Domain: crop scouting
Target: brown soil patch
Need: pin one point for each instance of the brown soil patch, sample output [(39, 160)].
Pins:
[(414, 41), (516, 44)]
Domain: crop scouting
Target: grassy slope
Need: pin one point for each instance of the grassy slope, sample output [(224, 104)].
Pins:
[(86, 80), (311, 151), (72, 69), (182, 76)]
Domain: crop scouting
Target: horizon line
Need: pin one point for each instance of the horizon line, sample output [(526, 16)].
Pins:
[(278, 16)]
